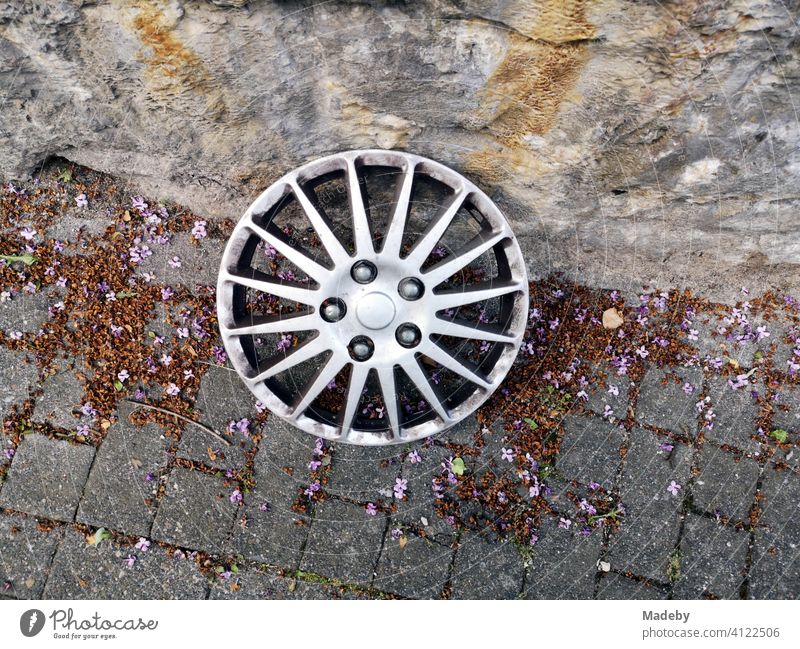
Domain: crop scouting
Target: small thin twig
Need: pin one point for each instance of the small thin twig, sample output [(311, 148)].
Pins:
[(181, 417)]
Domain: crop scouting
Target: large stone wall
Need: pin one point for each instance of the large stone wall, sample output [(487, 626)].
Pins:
[(627, 141)]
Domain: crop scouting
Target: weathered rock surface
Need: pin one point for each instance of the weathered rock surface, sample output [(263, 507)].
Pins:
[(657, 141)]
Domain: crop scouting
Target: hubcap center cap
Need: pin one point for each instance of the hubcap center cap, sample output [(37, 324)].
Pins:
[(375, 310)]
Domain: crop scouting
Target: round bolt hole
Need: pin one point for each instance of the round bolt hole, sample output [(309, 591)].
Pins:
[(361, 348), (408, 335), (410, 288), (364, 272), (332, 310)]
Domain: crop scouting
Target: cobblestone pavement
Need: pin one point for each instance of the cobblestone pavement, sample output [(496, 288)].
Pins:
[(701, 466)]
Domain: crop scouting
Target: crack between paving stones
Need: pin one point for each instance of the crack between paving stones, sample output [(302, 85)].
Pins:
[(85, 485), (380, 552), (744, 588), (448, 583), (249, 468), (304, 543), (605, 544), (51, 559), (171, 454), (688, 498), (309, 577), (385, 532), (684, 511), (616, 488), (640, 579)]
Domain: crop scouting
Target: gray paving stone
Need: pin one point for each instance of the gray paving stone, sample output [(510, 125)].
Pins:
[(650, 527), (417, 570), (724, 485), (786, 416), (600, 397), (486, 568), (195, 512), (616, 586), (46, 477), (84, 571), (666, 405), (712, 559), (267, 529), (556, 492), (787, 413), (117, 493), (59, 404), (495, 438), (222, 398), (199, 265), (25, 312), (745, 351), (364, 474), (775, 573), (737, 413), (17, 375), (199, 446), (785, 349), (7, 449), (418, 509), (344, 542), (160, 325), (462, 433), (589, 450), (710, 342), (25, 554), (564, 564), (67, 227), (790, 456)]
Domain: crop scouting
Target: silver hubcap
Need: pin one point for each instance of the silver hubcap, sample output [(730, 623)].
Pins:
[(365, 331)]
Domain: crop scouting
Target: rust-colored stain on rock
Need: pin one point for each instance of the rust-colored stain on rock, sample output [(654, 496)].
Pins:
[(529, 86), (522, 97), (554, 21), (173, 67)]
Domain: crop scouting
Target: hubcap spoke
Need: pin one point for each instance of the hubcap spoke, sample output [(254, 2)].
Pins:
[(446, 359), (428, 240), (463, 257), (463, 329), (391, 402), (329, 240), (263, 325), (303, 352), (285, 289), (275, 238), (358, 379), (397, 226), (361, 229), (324, 376), (456, 297), (428, 392)]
